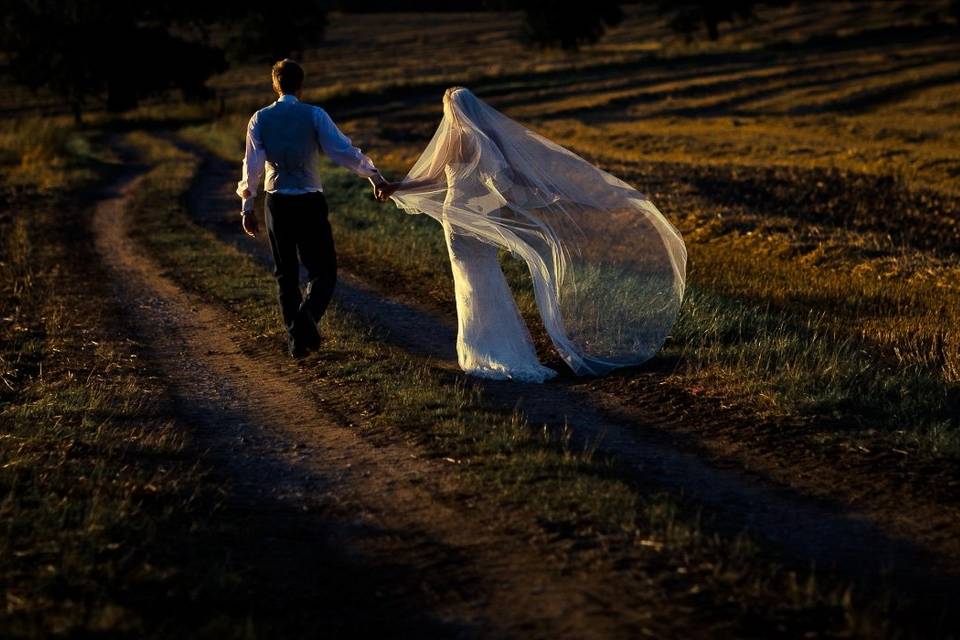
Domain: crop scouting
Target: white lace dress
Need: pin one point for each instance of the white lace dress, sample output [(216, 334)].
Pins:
[(492, 339)]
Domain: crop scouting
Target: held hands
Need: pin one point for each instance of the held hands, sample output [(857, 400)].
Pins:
[(382, 189), (383, 192)]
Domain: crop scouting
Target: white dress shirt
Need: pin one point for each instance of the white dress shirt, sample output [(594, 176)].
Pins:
[(330, 139)]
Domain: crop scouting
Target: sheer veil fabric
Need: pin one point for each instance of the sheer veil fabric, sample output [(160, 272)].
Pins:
[(608, 269)]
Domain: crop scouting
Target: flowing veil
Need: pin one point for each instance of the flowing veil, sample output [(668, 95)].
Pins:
[(608, 269)]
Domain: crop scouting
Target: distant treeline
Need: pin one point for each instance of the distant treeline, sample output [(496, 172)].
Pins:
[(388, 6), (121, 51)]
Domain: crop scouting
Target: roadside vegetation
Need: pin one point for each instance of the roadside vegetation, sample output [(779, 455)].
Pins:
[(575, 495), (764, 328), (115, 521), (817, 195), (819, 199), (97, 486)]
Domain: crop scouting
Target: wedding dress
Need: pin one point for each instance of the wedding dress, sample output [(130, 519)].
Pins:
[(492, 339), (608, 269)]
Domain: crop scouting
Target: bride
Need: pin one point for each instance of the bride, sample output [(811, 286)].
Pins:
[(608, 269)]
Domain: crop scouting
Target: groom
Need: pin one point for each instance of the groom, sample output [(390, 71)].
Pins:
[(286, 138)]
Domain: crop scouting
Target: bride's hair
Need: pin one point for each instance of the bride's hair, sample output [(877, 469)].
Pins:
[(461, 100), (448, 99)]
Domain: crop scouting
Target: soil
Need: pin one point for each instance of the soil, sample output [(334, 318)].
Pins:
[(807, 505), (443, 564), (419, 555)]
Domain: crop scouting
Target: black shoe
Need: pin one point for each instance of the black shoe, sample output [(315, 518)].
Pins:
[(298, 351), (312, 339), (304, 332), (304, 343)]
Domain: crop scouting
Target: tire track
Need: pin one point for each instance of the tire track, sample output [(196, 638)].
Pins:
[(818, 530), (477, 572)]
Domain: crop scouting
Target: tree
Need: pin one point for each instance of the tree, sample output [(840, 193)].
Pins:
[(687, 16), (82, 49), (267, 32), (568, 25), (123, 51)]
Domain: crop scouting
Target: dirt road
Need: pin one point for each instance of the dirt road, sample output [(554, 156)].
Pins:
[(823, 531), (420, 556), (468, 571)]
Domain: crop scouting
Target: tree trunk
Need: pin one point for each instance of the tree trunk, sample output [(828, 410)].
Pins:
[(712, 30)]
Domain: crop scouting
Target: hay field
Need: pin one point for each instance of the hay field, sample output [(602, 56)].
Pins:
[(809, 158)]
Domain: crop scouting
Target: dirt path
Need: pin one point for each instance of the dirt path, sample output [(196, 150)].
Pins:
[(468, 569), (826, 532)]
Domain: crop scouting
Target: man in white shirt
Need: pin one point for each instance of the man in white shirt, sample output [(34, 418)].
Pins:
[(286, 138)]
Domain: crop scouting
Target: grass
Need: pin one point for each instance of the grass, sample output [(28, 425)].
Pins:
[(114, 521), (574, 494), (779, 336), (45, 153), (103, 494), (811, 170), (810, 163), (94, 482), (399, 386)]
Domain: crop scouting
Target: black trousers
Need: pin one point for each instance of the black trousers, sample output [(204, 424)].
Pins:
[(300, 233)]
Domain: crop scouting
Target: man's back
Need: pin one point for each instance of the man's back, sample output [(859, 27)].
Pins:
[(284, 141), (288, 134)]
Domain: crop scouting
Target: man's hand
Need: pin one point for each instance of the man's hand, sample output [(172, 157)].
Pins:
[(250, 224)]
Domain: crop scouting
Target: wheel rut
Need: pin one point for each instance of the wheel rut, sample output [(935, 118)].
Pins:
[(470, 569), (811, 529)]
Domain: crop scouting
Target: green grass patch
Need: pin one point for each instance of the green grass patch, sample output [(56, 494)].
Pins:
[(766, 354), (97, 486), (47, 153), (573, 493)]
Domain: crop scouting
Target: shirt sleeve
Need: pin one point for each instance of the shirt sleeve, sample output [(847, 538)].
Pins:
[(253, 161), (339, 148)]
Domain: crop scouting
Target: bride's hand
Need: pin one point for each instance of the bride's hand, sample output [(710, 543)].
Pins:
[(383, 191)]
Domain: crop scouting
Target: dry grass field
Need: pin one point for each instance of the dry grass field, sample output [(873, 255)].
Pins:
[(811, 160)]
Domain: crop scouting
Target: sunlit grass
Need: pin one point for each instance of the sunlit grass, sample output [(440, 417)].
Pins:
[(833, 313), (786, 317), (841, 318), (917, 147), (456, 421), (45, 153), (571, 491), (843, 341), (780, 337)]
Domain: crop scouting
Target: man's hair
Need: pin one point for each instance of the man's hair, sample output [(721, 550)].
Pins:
[(287, 76)]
